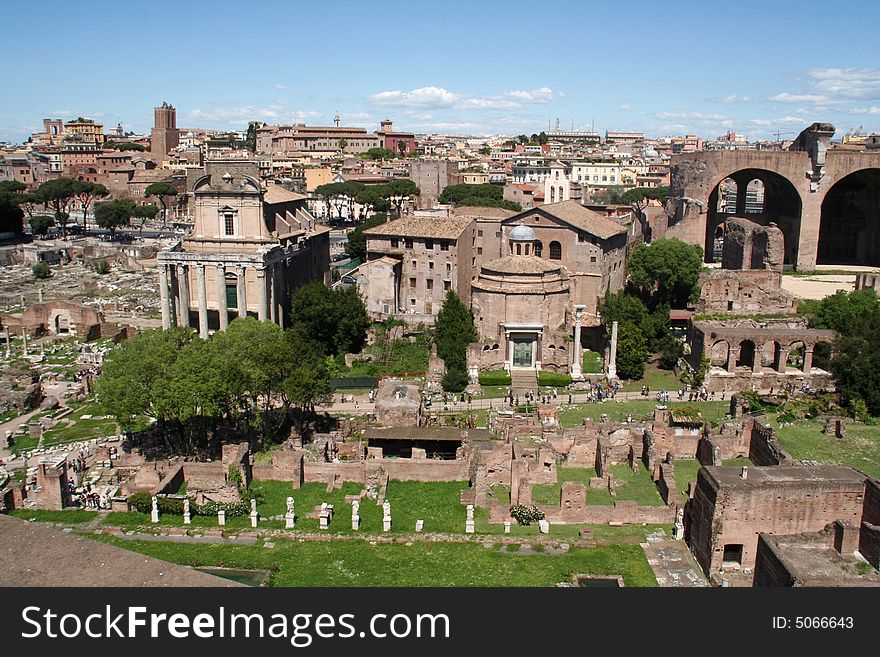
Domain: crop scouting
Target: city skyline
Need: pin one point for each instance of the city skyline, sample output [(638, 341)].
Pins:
[(496, 68)]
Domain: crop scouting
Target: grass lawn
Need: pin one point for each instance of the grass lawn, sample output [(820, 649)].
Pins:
[(635, 486), (640, 409), (70, 516), (685, 471), (859, 449), (593, 362), (357, 563), (655, 379)]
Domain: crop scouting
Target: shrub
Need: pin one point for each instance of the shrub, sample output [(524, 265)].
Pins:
[(495, 378), (143, 502), (555, 379), (233, 476), (526, 515), (41, 270), (455, 379), (102, 267)]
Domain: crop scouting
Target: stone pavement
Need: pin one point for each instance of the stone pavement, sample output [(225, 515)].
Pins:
[(672, 563)]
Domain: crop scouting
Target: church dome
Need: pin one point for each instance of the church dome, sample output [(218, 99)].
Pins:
[(522, 234)]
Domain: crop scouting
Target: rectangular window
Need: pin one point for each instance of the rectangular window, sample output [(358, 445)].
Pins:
[(448, 268), (229, 224), (447, 285), (412, 282), (412, 302), (395, 242), (430, 283), (592, 258), (479, 250), (430, 265), (408, 243), (444, 246), (479, 233), (429, 245), (415, 264)]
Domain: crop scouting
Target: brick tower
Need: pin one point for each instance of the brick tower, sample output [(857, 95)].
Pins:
[(165, 135)]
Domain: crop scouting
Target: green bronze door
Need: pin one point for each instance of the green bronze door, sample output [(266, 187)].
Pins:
[(522, 353)]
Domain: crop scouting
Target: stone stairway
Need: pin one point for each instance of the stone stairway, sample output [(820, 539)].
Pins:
[(522, 380)]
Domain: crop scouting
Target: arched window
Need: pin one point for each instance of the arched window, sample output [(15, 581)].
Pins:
[(518, 249), (539, 248), (555, 250), (552, 194)]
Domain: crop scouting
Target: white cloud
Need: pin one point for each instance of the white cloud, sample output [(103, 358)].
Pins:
[(278, 85), (817, 99), (542, 95), (229, 116), (733, 98), (434, 98), (422, 97), (781, 121), (859, 83), (625, 107), (693, 116)]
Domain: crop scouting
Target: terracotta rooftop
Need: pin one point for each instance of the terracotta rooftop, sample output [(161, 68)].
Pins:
[(41, 555), (277, 194), (572, 212), (483, 213), (450, 228)]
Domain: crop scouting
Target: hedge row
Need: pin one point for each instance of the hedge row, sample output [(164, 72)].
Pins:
[(555, 379), (494, 378), (143, 502)]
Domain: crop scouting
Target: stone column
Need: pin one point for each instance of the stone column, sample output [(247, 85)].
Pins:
[(241, 288), (163, 296), (8, 345), (782, 358), (261, 294), (732, 357), (203, 302), (808, 358), (508, 349), (757, 359), (278, 282), (270, 292), (41, 295), (183, 294), (576, 370), (612, 354), (24, 339), (222, 310)]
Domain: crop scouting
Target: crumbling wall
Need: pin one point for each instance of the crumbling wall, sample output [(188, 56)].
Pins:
[(764, 449)]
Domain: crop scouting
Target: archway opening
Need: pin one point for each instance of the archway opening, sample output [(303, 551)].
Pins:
[(761, 196), (796, 352), (849, 229), (746, 354), (718, 354)]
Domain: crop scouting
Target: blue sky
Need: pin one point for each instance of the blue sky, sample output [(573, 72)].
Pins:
[(478, 67)]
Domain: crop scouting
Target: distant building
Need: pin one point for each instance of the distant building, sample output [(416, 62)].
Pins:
[(403, 143), (164, 137), (249, 249), (85, 131)]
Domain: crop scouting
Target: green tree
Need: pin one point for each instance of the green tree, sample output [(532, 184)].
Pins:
[(336, 320), (136, 368), (379, 154), (11, 214), (343, 143), (308, 378), (856, 365), (372, 199), (163, 190), (632, 351), (457, 193), (41, 223), (665, 272), (250, 139), (485, 150), (86, 192), (454, 330), (57, 194), (398, 191), (41, 270), (111, 215), (356, 246), (843, 312)]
